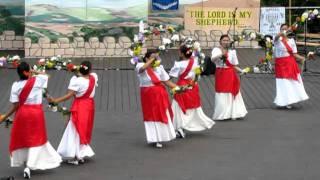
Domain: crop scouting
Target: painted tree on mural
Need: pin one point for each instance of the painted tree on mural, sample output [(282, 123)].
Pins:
[(9, 20)]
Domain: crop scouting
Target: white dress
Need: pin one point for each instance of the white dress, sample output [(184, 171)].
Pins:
[(70, 146), (193, 119), (227, 106), (40, 157), (156, 131), (288, 91)]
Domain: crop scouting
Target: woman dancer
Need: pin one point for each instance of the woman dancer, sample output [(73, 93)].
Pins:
[(75, 142), (228, 100), (289, 83), (29, 145), (157, 113), (186, 106)]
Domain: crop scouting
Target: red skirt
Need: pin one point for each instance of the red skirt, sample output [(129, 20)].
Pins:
[(82, 116), (190, 99), (29, 128), (155, 103), (286, 68), (227, 81)]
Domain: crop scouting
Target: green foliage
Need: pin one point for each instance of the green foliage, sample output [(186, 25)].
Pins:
[(4, 13), (33, 36), (101, 33), (8, 22)]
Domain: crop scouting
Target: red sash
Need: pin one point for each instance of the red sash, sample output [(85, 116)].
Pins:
[(286, 67), (227, 80), (29, 129), (189, 99), (82, 113), (285, 43), (155, 101)]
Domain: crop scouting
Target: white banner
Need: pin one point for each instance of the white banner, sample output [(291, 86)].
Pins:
[(271, 19)]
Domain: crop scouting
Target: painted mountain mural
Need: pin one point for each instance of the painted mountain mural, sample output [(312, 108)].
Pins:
[(65, 18)]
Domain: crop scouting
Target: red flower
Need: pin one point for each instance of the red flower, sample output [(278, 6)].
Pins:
[(70, 67), (261, 60), (15, 63), (156, 32)]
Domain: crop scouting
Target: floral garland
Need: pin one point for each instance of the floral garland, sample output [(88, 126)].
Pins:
[(55, 107), (13, 60), (307, 15), (175, 39), (135, 50), (264, 64)]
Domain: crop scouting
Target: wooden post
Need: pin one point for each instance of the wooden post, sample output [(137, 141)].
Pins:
[(290, 12)]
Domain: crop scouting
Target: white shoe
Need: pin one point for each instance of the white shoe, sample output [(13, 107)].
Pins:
[(181, 133), (289, 107), (72, 161), (158, 145), (81, 161), (26, 173)]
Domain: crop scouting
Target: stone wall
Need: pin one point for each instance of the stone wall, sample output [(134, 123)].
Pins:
[(9, 41), (109, 47)]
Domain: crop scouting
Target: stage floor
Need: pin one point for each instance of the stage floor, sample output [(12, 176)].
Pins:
[(269, 143)]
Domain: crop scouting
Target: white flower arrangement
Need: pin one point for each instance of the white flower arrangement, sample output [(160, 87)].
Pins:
[(135, 39), (305, 15), (196, 46), (141, 27), (268, 39), (253, 36), (16, 57), (162, 47), (53, 58), (166, 41), (202, 55), (175, 38), (161, 29), (130, 52)]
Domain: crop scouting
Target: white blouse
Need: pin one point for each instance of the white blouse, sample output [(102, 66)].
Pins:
[(35, 96), (81, 84), (180, 66), (281, 51), (145, 80), (216, 55)]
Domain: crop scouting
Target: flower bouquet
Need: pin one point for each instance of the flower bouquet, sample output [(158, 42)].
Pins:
[(55, 107), (14, 60), (40, 66), (179, 89)]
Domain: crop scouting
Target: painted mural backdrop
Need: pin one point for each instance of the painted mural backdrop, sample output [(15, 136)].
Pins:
[(86, 18), (12, 16)]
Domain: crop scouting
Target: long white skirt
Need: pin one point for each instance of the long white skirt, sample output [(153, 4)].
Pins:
[(290, 91), (70, 146), (36, 158), (193, 120), (158, 131), (226, 106)]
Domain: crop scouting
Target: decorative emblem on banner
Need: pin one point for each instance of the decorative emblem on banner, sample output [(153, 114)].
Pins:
[(162, 5)]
